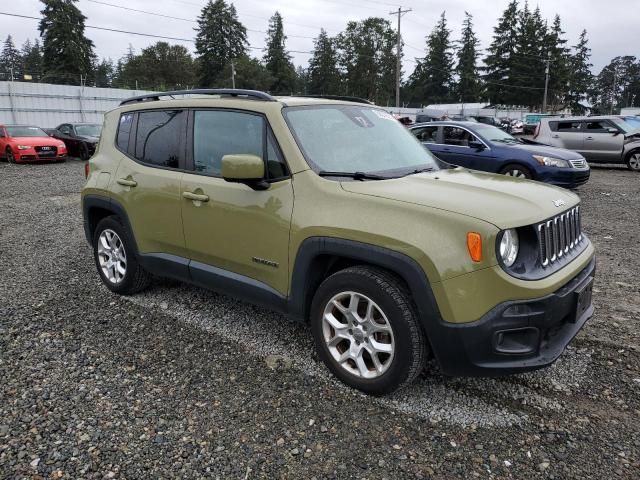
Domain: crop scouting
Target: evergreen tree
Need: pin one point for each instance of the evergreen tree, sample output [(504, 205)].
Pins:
[(468, 88), (499, 68), (67, 52), (10, 61), (559, 66), (580, 77), (615, 85), (277, 59), (529, 65), (104, 73), (32, 59), (221, 37), (432, 80), (367, 60), (302, 80), (324, 76), (250, 73)]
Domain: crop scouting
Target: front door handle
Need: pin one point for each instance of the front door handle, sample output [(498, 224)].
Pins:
[(195, 197), (555, 136), (125, 182)]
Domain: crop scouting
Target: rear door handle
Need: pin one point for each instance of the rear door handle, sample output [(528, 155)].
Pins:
[(126, 182), (555, 136), (589, 138), (195, 197)]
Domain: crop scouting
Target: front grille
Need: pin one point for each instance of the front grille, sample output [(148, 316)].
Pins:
[(45, 152), (559, 236), (578, 163)]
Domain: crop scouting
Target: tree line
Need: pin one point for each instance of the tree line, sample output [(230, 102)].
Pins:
[(359, 61)]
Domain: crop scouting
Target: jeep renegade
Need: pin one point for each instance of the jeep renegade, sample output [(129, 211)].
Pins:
[(330, 211)]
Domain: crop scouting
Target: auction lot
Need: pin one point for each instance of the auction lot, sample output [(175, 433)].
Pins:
[(182, 382)]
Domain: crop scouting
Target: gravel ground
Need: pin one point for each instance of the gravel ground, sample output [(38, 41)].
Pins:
[(182, 382)]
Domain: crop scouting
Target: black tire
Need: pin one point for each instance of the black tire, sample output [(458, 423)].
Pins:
[(10, 157), (84, 152), (517, 171), (633, 161), (389, 293), (135, 278)]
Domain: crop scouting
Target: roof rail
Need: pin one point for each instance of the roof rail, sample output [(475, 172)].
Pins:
[(344, 98), (230, 92)]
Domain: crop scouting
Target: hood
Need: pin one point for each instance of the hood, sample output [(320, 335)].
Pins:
[(547, 151), (88, 138), (36, 141), (503, 201)]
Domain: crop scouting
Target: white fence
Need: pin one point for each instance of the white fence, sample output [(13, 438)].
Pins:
[(47, 105)]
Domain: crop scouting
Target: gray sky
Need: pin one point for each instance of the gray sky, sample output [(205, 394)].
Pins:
[(611, 32)]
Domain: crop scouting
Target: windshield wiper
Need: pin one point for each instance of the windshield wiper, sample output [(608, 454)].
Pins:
[(422, 170), (354, 175)]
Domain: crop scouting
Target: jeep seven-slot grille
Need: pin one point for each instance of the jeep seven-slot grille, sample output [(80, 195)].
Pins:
[(559, 235)]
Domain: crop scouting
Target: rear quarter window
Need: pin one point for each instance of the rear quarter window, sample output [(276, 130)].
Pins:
[(124, 131)]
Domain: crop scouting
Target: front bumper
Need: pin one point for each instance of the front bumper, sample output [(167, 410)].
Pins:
[(566, 177), (517, 336)]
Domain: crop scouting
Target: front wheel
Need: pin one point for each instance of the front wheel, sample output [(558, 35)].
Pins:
[(517, 171), (633, 161), (11, 158), (115, 259), (366, 330)]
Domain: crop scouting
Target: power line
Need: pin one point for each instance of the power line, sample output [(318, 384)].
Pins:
[(190, 20), (150, 35)]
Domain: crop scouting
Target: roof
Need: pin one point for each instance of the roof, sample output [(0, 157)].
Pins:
[(581, 118), (457, 123)]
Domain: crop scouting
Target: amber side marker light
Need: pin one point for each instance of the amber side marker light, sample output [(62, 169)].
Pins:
[(474, 245), (86, 170)]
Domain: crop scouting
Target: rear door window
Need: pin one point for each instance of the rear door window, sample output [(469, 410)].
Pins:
[(426, 134), (565, 126), (159, 138)]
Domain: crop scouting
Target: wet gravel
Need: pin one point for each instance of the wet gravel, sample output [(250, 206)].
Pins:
[(182, 382)]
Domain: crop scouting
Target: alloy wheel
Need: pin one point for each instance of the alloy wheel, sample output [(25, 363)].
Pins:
[(112, 256), (515, 173), (358, 335), (634, 161), (10, 156)]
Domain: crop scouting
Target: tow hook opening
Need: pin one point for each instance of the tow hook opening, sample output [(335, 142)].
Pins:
[(517, 341)]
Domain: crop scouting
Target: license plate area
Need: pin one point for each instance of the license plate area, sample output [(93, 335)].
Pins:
[(583, 294)]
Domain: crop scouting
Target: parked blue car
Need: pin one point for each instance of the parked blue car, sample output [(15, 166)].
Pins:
[(484, 147)]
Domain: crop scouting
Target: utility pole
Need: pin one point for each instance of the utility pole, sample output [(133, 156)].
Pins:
[(399, 13), (546, 83), (615, 86), (233, 76)]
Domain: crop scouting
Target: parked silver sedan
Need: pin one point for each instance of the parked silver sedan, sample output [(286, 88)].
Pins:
[(605, 139)]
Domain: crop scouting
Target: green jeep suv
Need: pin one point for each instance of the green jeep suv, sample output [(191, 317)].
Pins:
[(331, 212)]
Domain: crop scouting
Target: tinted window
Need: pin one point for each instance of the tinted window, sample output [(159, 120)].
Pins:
[(426, 134), (1, 133), (276, 167), (124, 129), (565, 126), (458, 136), (158, 138), (599, 126), (218, 133)]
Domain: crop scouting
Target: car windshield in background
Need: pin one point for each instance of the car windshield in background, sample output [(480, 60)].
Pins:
[(89, 130), (26, 132), (494, 134), (628, 124), (337, 138)]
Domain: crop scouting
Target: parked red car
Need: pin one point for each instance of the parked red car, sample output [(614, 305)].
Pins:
[(24, 143)]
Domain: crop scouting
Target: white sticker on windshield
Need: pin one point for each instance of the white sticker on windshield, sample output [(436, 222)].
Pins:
[(382, 114)]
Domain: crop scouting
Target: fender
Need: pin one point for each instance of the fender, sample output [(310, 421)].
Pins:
[(105, 203), (309, 269)]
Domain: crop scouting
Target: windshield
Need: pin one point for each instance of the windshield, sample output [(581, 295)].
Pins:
[(26, 132), (494, 134), (344, 138), (628, 124), (89, 130)]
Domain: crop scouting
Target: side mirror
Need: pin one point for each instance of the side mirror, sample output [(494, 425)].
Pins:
[(247, 169), (479, 146), (613, 131)]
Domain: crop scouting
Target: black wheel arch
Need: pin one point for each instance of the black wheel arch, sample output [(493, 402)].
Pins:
[(97, 207)]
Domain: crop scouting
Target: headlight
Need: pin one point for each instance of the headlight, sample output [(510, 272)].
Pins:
[(509, 246), (62, 145), (551, 162), (24, 147)]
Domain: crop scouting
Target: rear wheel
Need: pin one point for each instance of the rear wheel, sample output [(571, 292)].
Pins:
[(11, 158), (366, 330), (517, 171), (633, 161), (115, 259)]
